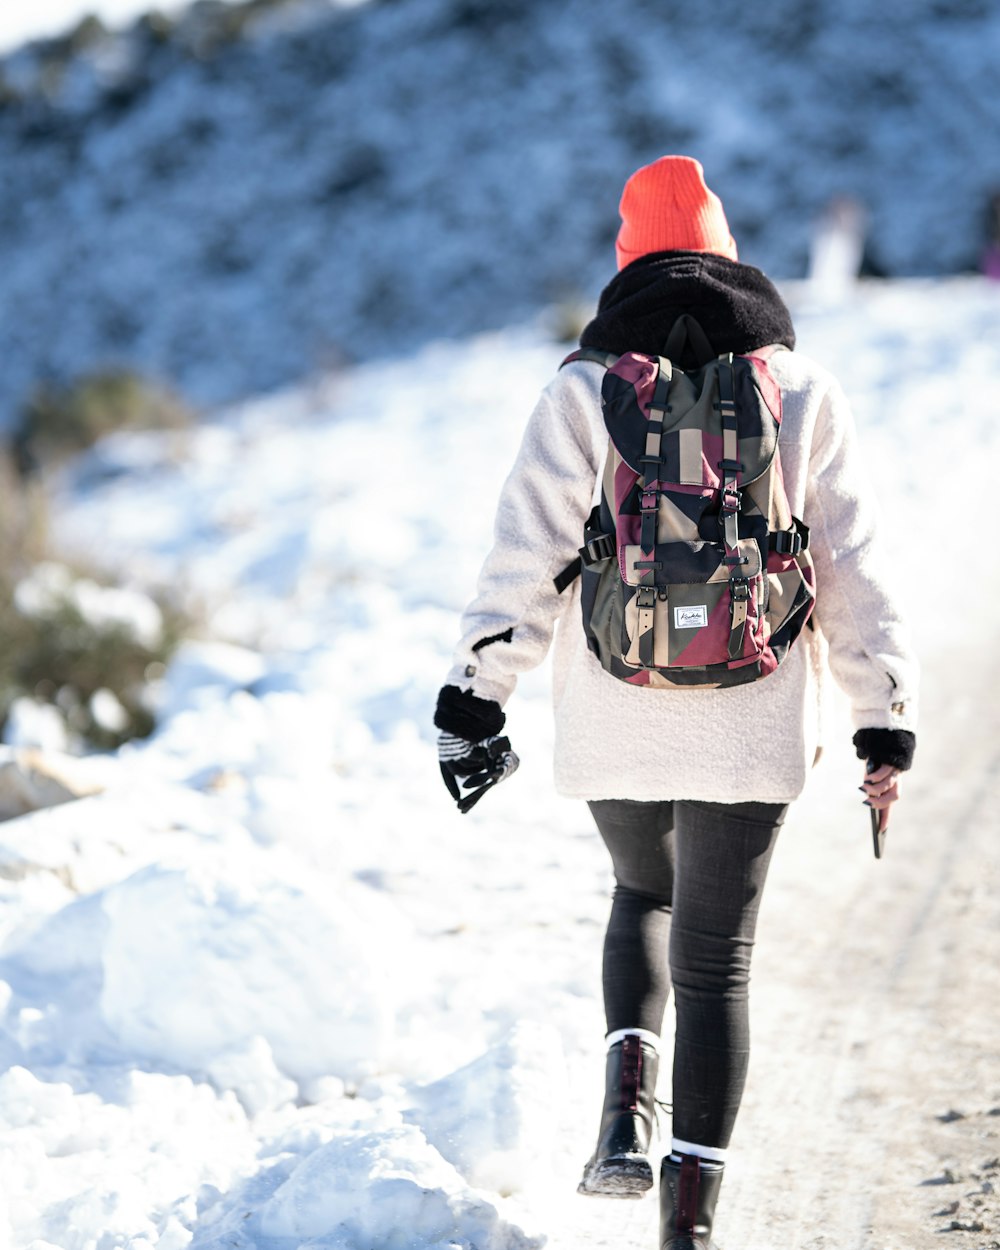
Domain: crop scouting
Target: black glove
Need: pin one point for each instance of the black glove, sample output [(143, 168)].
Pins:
[(459, 712), (886, 746), (478, 765), (470, 747)]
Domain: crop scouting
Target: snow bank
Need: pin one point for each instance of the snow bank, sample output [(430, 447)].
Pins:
[(203, 672), (496, 1118), (385, 1191), (200, 963), (347, 1182), (69, 1159)]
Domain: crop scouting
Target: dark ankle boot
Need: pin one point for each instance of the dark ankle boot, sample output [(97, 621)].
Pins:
[(688, 1194), (618, 1167)]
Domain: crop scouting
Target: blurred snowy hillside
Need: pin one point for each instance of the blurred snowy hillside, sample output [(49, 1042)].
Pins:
[(238, 196)]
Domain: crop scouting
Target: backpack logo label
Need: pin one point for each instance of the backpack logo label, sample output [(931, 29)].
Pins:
[(691, 618)]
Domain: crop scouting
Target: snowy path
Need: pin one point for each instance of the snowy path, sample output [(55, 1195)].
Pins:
[(880, 1014), (873, 1103)]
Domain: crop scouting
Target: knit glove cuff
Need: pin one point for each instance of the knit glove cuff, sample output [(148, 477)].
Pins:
[(886, 746), (461, 713)]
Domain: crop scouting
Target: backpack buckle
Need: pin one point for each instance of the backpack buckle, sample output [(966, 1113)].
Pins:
[(787, 543), (731, 499), (791, 542), (594, 550), (740, 589)]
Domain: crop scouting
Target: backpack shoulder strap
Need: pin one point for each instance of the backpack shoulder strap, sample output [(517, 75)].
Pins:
[(596, 549)]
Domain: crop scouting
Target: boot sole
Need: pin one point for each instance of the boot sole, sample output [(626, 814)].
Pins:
[(622, 1177)]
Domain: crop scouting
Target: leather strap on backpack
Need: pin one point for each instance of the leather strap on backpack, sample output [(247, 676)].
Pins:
[(729, 513), (649, 510)]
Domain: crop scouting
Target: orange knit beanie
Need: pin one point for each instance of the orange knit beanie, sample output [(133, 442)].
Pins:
[(667, 207)]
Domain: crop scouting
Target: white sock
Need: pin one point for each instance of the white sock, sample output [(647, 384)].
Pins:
[(714, 1153), (644, 1035)]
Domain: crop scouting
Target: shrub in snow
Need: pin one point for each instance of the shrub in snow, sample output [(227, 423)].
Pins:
[(59, 421), (52, 587), (90, 30), (86, 649), (207, 28), (76, 653)]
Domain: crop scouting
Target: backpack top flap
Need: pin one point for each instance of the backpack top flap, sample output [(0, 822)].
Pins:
[(639, 391)]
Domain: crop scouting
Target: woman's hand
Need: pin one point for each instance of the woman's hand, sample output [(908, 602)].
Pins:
[(881, 790), (881, 783)]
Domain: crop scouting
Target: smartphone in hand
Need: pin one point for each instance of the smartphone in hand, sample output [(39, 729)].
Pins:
[(878, 834)]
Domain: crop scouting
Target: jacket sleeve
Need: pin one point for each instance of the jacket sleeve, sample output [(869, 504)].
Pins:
[(856, 606), (508, 626)]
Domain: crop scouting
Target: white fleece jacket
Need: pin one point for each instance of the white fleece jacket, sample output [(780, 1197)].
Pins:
[(752, 742)]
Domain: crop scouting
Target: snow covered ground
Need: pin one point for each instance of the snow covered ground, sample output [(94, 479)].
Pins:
[(269, 990)]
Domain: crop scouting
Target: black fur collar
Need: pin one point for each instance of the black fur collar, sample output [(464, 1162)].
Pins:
[(737, 306)]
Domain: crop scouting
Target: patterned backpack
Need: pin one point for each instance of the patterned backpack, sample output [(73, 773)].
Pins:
[(694, 571)]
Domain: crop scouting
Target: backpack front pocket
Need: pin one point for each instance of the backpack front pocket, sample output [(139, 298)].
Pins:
[(708, 618)]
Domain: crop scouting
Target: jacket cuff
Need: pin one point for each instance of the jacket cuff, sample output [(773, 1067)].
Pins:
[(462, 713), (886, 746)]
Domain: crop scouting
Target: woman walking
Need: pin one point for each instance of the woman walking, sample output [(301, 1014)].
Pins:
[(688, 777)]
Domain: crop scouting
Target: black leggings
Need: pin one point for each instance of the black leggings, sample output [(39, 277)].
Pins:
[(688, 878)]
